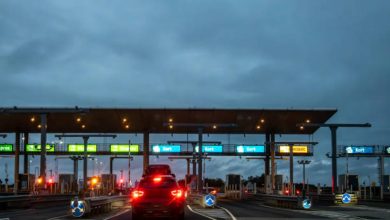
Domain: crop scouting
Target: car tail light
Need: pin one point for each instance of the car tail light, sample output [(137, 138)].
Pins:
[(136, 194), (177, 193), (157, 179)]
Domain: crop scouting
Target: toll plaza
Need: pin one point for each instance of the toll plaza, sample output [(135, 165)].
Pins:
[(87, 122)]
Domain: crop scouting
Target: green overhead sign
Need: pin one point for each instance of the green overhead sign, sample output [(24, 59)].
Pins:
[(6, 147), (124, 148), (79, 148), (37, 148)]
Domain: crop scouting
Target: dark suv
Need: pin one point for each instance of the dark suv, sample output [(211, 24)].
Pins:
[(162, 169), (158, 196)]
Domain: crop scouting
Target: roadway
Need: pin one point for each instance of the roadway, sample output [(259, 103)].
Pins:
[(57, 213)]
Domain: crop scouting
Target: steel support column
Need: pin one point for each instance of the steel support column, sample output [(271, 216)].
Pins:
[(200, 168), (291, 171), (26, 163), (85, 160), (268, 153), (333, 130), (16, 171), (75, 173), (381, 170), (43, 148), (273, 165), (194, 159), (146, 150)]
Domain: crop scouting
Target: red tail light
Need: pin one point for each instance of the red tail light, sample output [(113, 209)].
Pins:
[(136, 194), (157, 179), (177, 193)]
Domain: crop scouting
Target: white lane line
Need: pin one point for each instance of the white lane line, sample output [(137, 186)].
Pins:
[(228, 212), (117, 214), (58, 217), (189, 207)]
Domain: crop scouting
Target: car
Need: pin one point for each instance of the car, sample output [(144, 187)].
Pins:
[(162, 169), (158, 196)]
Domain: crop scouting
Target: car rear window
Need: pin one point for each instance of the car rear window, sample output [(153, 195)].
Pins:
[(164, 183), (163, 170)]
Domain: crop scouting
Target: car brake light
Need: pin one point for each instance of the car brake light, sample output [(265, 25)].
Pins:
[(136, 194), (157, 179), (177, 193)]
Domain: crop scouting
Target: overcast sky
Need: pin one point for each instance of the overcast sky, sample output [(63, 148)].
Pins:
[(222, 54)]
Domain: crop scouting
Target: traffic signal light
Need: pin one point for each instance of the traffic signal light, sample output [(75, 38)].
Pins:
[(39, 180), (51, 181), (94, 181), (121, 181)]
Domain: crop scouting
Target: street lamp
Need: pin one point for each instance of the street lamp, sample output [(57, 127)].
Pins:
[(304, 162)]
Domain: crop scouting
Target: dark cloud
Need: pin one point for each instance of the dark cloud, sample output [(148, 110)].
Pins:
[(264, 54)]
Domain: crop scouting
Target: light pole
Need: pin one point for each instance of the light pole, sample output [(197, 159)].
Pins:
[(304, 162)]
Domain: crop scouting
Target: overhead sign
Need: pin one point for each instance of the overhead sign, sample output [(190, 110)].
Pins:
[(6, 147), (300, 149), (124, 148), (79, 148), (166, 148), (359, 149), (250, 149), (37, 148), (210, 148), (387, 151)]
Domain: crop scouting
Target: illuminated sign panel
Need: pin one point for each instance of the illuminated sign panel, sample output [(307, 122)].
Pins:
[(359, 150), (210, 148), (37, 148), (300, 149), (166, 149), (6, 147), (387, 151), (79, 148), (124, 148), (250, 149)]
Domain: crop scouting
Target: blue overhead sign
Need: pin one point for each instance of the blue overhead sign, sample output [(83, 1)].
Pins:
[(250, 149), (210, 148), (359, 149), (166, 149)]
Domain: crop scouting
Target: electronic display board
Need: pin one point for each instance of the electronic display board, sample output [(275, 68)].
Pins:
[(37, 148), (299, 149), (6, 147), (166, 148), (210, 148), (359, 149), (250, 149), (79, 148), (124, 148)]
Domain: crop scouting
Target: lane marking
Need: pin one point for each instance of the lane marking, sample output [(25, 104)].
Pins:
[(117, 214), (228, 212), (58, 217), (189, 207), (320, 213)]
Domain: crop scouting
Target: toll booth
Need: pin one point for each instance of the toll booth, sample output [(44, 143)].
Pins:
[(108, 182), (26, 182), (279, 182), (386, 183), (66, 183), (348, 182)]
